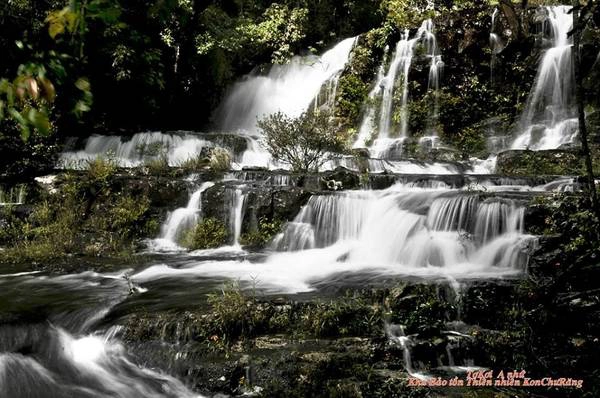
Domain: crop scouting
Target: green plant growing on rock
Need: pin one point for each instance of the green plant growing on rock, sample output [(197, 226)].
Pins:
[(259, 238), (219, 159), (195, 163), (101, 169), (352, 316), (470, 141), (210, 233), (306, 142), (352, 92), (157, 165), (236, 314)]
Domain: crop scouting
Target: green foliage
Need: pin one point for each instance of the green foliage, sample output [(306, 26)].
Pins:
[(86, 215), (266, 231), (421, 308), (530, 163), (100, 170), (305, 143), (280, 29), (219, 160), (210, 233), (27, 100), (572, 217), (195, 164), (352, 93), (351, 316), (235, 314), (406, 14), (470, 141), (157, 165)]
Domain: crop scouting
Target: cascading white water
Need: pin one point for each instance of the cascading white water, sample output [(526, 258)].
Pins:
[(402, 230), (236, 205), (386, 87), (435, 71), (89, 366), (548, 120), (409, 228), (368, 124), (289, 89), (13, 196), (134, 151), (181, 220), (400, 63)]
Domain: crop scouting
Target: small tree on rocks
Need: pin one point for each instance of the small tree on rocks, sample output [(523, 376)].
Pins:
[(306, 142)]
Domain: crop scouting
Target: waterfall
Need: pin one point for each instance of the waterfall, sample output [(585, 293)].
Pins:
[(411, 228), (496, 45), (13, 196), (368, 125), (181, 220), (141, 147), (548, 120), (435, 70), (396, 335), (288, 88), (400, 63), (386, 86), (237, 201)]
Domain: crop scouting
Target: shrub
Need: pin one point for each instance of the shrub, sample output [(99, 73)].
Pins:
[(157, 165), (236, 314), (101, 169), (195, 164), (210, 233), (220, 159), (258, 239), (305, 143)]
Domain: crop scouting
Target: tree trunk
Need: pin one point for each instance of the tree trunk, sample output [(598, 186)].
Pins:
[(585, 148)]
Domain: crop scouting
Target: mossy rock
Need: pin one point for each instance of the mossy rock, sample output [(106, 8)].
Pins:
[(548, 162)]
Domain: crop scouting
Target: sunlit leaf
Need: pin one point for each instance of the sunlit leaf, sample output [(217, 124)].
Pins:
[(22, 122), (39, 120), (55, 29), (83, 84)]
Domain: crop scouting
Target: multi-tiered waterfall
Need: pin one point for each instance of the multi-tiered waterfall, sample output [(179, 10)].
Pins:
[(289, 88), (549, 120)]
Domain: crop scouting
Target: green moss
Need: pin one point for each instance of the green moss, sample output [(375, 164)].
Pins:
[(210, 233)]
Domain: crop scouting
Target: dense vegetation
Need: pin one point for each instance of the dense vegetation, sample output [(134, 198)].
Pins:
[(74, 67)]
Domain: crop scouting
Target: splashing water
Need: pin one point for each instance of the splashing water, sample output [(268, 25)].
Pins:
[(134, 151), (90, 366)]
